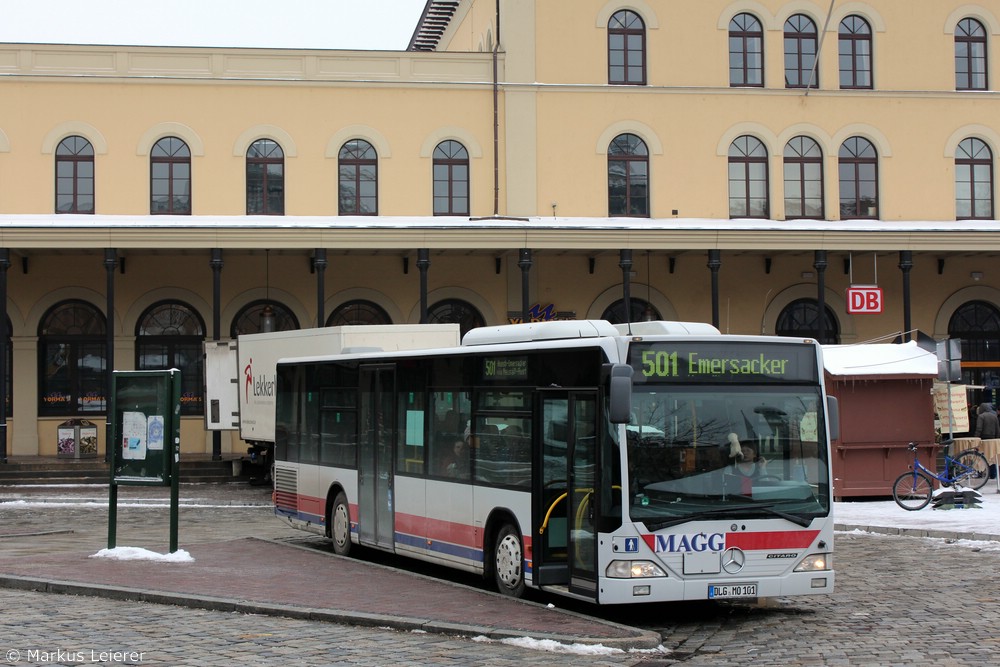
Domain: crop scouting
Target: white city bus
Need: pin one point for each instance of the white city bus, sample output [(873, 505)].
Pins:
[(605, 462)]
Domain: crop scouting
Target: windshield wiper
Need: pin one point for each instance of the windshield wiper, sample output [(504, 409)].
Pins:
[(794, 518), (734, 509)]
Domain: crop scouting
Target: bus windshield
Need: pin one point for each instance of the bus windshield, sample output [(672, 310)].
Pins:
[(734, 450)]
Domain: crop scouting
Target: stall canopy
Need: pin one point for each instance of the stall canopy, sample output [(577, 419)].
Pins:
[(906, 360)]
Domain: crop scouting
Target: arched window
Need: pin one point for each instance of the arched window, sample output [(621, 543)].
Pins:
[(358, 190), (628, 177), (451, 179), (973, 180), (800, 319), (626, 49), (858, 171), (970, 55), (854, 39), (803, 179), (253, 318), (74, 176), (171, 334), (642, 311), (358, 311), (800, 52), (748, 186), (746, 51), (71, 360), (977, 324), (265, 178), (170, 178), (455, 311)]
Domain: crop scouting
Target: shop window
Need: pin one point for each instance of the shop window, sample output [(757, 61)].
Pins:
[(72, 348), (171, 334)]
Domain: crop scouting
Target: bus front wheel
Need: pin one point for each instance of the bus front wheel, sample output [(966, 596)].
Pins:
[(340, 525), (508, 562)]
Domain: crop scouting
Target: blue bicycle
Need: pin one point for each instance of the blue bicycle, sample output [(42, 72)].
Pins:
[(914, 489)]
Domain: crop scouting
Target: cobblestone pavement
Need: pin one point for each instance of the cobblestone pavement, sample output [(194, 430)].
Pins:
[(898, 601)]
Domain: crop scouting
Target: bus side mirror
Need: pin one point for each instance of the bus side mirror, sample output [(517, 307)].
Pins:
[(620, 393), (833, 414)]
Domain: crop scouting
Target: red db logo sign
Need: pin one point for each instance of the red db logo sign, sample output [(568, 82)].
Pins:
[(864, 300)]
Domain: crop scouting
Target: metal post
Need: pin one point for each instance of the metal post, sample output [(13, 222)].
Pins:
[(423, 263), (820, 264), (216, 264), (625, 263), (319, 263), (4, 331), (714, 264), (906, 265), (110, 263), (524, 262)]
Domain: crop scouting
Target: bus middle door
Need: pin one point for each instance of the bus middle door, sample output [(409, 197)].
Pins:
[(375, 505), (566, 497)]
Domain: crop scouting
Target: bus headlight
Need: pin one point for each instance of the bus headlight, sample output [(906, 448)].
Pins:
[(634, 569), (814, 563)]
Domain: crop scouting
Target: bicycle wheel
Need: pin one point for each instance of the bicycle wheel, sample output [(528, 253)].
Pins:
[(972, 469), (912, 490)]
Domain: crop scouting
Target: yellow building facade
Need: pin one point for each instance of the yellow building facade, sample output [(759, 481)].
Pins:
[(738, 162)]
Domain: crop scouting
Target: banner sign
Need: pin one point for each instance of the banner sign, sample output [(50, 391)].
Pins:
[(864, 299)]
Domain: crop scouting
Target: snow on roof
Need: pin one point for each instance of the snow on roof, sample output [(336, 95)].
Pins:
[(906, 359), (68, 221)]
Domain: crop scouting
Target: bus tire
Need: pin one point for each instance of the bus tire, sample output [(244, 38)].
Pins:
[(340, 525), (508, 561)]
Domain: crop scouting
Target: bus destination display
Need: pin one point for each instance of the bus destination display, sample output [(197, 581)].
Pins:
[(505, 368), (710, 362)]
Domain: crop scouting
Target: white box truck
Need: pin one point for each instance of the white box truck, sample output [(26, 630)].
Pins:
[(241, 377)]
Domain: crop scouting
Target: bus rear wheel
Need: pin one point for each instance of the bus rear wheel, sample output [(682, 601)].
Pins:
[(508, 562), (340, 525)]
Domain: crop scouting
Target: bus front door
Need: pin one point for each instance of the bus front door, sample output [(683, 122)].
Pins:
[(375, 510), (565, 539)]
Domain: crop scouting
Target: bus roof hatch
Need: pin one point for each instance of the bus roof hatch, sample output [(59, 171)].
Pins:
[(530, 331)]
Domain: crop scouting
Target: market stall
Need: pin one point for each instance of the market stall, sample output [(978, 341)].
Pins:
[(886, 402)]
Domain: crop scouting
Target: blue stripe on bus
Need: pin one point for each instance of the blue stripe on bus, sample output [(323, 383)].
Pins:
[(417, 542)]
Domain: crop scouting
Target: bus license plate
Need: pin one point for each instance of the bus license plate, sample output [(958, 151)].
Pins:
[(718, 591)]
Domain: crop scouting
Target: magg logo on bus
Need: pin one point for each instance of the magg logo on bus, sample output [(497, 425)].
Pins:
[(681, 543)]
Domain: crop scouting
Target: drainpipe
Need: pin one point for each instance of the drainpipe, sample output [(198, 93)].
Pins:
[(906, 265), (715, 263), (820, 264)]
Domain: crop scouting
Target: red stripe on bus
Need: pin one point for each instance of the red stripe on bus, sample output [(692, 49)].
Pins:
[(779, 539)]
